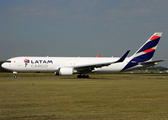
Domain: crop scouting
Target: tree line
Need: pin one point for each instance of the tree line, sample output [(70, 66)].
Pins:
[(156, 68)]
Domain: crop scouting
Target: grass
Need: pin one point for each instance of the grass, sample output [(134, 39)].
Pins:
[(104, 96)]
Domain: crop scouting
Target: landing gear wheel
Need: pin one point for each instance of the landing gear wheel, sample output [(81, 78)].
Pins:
[(83, 76), (79, 76), (15, 76), (87, 76)]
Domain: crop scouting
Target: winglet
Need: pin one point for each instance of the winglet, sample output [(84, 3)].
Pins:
[(123, 57), (98, 56)]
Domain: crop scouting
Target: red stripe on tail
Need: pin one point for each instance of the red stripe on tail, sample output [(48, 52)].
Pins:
[(149, 50), (154, 37)]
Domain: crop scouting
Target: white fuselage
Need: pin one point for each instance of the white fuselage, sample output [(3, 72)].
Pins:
[(53, 64)]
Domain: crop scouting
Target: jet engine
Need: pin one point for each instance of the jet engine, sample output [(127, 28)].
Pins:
[(65, 71)]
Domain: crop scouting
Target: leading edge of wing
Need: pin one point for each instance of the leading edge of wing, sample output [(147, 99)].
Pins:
[(99, 65)]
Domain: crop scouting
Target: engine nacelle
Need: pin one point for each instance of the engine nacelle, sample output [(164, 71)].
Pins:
[(65, 71)]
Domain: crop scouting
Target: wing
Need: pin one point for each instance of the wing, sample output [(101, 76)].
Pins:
[(90, 67)]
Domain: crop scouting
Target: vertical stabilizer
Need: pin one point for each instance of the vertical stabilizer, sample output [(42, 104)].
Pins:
[(145, 52)]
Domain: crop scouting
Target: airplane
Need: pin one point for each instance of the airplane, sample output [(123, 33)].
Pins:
[(83, 65)]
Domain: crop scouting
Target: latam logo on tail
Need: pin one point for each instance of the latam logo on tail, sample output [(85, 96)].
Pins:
[(145, 52), (26, 61)]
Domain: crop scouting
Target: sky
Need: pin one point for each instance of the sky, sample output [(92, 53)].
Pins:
[(84, 28)]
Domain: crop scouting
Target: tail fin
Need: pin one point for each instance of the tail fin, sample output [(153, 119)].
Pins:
[(147, 50)]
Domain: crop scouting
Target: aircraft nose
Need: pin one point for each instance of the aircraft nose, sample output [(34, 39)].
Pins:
[(4, 65)]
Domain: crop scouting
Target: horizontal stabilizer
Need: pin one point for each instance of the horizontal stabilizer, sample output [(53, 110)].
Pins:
[(152, 62)]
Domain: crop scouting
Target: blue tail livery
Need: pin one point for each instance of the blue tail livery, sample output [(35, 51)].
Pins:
[(143, 56)]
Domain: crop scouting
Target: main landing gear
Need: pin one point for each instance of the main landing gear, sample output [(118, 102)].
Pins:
[(15, 74), (83, 76)]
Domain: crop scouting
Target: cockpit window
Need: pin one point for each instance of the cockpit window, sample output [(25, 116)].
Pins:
[(8, 61)]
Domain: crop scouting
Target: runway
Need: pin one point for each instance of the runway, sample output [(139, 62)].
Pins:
[(82, 78)]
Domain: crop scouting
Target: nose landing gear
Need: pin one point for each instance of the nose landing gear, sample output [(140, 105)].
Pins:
[(15, 74)]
